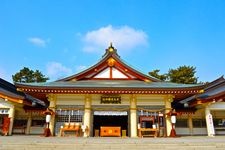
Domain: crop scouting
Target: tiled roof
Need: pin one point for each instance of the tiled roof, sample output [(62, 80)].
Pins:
[(212, 89), (9, 90), (109, 84), (217, 90)]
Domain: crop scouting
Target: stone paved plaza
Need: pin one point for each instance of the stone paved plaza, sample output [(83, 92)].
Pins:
[(74, 143)]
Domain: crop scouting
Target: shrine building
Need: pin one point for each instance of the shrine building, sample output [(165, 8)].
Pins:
[(110, 94), (113, 99)]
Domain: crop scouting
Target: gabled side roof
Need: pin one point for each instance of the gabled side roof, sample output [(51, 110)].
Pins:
[(215, 89), (8, 91), (212, 90), (214, 83), (110, 67)]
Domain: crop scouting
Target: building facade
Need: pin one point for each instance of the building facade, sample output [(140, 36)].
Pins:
[(208, 111), (13, 118), (113, 94)]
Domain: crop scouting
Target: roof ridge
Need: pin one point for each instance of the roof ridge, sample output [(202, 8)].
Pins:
[(8, 86), (111, 52), (214, 83)]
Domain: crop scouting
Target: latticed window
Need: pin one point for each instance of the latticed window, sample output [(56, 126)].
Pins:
[(69, 114)]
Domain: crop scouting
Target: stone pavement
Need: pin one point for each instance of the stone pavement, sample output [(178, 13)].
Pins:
[(17, 142)]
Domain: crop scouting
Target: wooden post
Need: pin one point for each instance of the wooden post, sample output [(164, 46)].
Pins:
[(133, 116), (87, 115), (168, 101), (29, 121)]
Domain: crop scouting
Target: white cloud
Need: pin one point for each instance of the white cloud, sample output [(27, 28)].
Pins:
[(38, 41), (56, 71), (123, 38)]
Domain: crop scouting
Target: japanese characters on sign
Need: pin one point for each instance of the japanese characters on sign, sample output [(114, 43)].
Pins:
[(110, 100)]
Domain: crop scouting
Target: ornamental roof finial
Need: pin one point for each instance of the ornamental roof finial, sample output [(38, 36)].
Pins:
[(111, 48)]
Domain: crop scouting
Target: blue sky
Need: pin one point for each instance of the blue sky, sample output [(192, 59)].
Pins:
[(61, 38)]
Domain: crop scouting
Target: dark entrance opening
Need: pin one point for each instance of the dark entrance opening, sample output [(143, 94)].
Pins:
[(117, 121)]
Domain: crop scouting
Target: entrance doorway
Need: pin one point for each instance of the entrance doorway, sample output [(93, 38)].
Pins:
[(112, 120)]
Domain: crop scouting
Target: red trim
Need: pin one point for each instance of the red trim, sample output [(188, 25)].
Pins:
[(108, 91), (99, 68), (104, 62), (202, 101), (110, 73), (131, 72)]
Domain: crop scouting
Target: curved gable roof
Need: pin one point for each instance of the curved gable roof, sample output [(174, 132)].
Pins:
[(111, 75), (110, 67)]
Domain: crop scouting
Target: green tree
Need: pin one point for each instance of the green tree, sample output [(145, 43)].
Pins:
[(26, 75), (155, 73), (183, 74)]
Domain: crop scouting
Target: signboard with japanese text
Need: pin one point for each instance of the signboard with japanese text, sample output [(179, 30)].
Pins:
[(210, 126), (110, 100)]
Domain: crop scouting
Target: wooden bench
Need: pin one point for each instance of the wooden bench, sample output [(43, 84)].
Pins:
[(150, 132), (110, 131), (71, 127)]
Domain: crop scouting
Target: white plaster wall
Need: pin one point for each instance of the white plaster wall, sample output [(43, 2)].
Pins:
[(77, 99), (217, 106), (70, 99), (96, 99), (4, 104), (150, 100), (117, 74), (104, 74)]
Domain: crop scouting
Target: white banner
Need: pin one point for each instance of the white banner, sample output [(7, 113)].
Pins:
[(110, 113), (210, 126)]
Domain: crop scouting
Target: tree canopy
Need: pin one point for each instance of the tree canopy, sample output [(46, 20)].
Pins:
[(155, 73), (183, 74), (27, 75)]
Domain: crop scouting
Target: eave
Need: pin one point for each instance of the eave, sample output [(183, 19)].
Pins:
[(212, 91), (211, 99), (109, 91), (8, 92), (15, 100), (112, 87)]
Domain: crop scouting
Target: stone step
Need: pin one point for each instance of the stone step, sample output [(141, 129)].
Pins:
[(58, 146), (71, 143)]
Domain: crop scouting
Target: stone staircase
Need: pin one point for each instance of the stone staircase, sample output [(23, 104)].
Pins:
[(73, 143)]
